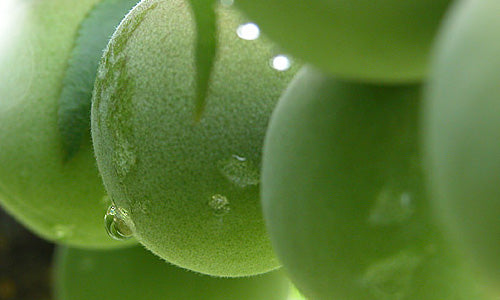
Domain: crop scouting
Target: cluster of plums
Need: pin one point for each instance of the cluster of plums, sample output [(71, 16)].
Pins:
[(356, 143)]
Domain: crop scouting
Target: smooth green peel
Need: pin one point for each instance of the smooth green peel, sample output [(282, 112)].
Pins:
[(379, 41), (344, 199), (462, 133), (135, 273)]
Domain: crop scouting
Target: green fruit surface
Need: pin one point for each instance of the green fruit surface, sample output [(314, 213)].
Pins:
[(343, 197), (63, 202), (462, 132), (379, 41), (135, 273), (190, 188)]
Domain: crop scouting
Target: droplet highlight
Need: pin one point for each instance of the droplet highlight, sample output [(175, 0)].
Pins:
[(391, 278), (219, 205), (240, 171), (280, 62), (118, 224), (248, 31)]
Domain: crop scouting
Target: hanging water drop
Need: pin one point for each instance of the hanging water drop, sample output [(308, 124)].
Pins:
[(118, 224), (248, 31), (280, 62), (219, 205)]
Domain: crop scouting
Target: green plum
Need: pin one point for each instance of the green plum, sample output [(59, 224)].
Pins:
[(343, 195), (63, 201), (135, 273), (187, 190), (377, 41), (461, 132)]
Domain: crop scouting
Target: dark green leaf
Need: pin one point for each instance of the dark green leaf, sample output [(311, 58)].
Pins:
[(206, 45), (76, 95)]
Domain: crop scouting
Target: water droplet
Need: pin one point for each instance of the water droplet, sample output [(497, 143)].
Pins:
[(227, 2), (391, 207), (240, 171), (63, 231), (391, 278), (118, 224), (248, 31), (219, 205), (280, 62)]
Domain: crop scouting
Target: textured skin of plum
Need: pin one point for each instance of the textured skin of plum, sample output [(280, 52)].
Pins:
[(376, 41), (344, 199), (135, 273), (62, 202), (462, 135), (191, 189)]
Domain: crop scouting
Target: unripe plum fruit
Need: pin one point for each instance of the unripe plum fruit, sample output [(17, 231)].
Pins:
[(135, 273), (189, 191), (368, 40), (462, 133), (343, 195), (61, 201)]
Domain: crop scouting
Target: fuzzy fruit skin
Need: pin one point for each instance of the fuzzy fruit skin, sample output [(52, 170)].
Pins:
[(343, 197), (61, 202), (161, 166), (135, 273), (377, 41), (462, 135)]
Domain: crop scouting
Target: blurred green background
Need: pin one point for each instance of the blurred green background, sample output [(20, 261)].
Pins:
[(25, 263)]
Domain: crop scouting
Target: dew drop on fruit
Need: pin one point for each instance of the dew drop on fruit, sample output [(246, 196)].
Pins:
[(240, 171), (118, 224), (391, 207), (219, 205), (248, 31), (280, 62), (391, 278)]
